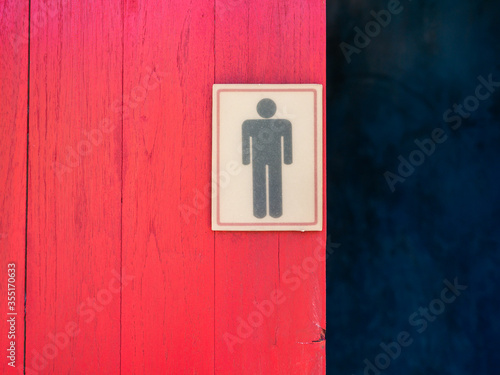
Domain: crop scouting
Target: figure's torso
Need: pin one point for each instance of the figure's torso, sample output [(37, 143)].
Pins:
[(266, 138)]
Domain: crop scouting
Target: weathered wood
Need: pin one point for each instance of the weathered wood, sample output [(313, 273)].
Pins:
[(119, 178), (167, 313), (74, 187), (269, 42), (13, 152)]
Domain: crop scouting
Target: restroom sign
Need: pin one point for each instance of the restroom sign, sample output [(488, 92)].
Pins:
[(267, 157)]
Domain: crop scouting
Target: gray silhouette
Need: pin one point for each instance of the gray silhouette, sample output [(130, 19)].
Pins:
[(266, 135)]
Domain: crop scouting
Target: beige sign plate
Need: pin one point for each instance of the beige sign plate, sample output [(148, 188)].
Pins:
[(267, 157)]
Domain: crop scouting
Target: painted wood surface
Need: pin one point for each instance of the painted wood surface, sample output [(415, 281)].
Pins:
[(167, 312), (269, 42), (124, 274), (74, 188), (14, 22)]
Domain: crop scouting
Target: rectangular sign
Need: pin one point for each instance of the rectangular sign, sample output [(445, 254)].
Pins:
[(267, 157)]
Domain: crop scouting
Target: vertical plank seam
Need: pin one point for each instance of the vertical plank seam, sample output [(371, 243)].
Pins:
[(211, 145), (121, 184), (27, 180)]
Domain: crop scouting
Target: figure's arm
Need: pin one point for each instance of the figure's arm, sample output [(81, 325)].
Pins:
[(287, 143), (245, 141)]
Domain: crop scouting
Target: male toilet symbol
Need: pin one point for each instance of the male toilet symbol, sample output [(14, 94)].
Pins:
[(267, 163), (266, 156)]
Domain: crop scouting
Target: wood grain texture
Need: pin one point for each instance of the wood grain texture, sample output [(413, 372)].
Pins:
[(269, 42), (74, 187), (14, 23), (167, 316), (119, 179)]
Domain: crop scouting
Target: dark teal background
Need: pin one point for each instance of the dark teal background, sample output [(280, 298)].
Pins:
[(442, 222)]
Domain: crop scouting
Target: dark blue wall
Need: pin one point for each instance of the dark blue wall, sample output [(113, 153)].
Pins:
[(398, 247)]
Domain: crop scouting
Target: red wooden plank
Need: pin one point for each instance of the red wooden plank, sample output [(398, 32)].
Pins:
[(167, 316), (74, 188), (265, 41), (302, 255), (13, 150)]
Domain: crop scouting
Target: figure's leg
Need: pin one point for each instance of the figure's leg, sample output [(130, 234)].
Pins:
[(275, 192), (259, 189)]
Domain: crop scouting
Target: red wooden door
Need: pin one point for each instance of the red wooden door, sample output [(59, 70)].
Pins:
[(107, 197)]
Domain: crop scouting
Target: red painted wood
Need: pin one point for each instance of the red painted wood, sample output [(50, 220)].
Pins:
[(167, 313), (74, 209), (119, 183), (13, 151), (264, 41)]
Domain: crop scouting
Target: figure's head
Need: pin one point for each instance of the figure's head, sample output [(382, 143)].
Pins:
[(266, 108)]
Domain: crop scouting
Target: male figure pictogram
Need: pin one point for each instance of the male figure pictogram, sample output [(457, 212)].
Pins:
[(266, 154)]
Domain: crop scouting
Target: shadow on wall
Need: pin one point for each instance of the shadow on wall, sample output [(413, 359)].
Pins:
[(413, 176)]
